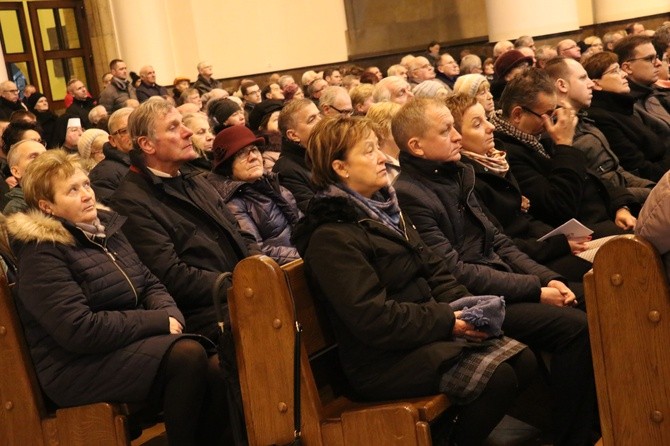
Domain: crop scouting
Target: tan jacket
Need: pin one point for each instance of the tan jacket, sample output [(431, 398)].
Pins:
[(654, 221)]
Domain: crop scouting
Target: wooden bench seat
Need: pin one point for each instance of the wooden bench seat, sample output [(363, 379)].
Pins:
[(628, 308), (24, 417), (261, 303)]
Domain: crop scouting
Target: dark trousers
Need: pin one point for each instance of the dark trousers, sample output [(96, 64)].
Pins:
[(563, 332)]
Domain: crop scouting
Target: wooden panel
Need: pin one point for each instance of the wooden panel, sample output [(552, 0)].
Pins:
[(374, 27), (629, 317)]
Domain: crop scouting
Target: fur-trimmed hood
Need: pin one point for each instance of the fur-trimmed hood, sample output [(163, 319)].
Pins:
[(36, 226)]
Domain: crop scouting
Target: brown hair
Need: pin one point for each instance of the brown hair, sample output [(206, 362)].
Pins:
[(330, 140), (625, 48), (597, 64), (287, 114), (458, 104)]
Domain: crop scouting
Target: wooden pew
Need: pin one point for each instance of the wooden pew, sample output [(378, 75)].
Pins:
[(261, 304), (628, 306), (24, 418)]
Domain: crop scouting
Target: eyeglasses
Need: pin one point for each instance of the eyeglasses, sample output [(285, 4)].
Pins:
[(615, 70), (245, 152), (550, 114), (121, 132), (346, 112), (652, 59), (249, 93)]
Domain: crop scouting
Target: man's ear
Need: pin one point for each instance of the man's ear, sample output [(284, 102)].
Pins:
[(291, 135), (562, 85), (515, 114), (146, 145), (626, 68), (414, 147)]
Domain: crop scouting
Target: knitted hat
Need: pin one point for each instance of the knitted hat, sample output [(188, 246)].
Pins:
[(508, 60), (261, 110), (468, 84), (231, 140), (179, 79), (221, 110), (86, 141), (428, 89), (32, 100)]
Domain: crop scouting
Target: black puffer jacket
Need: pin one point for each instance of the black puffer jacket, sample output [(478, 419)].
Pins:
[(96, 320), (262, 208), (388, 298), (440, 199)]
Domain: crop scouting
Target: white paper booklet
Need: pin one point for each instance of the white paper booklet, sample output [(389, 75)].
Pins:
[(572, 229)]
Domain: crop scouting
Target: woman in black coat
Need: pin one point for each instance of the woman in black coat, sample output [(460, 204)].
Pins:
[(261, 206), (39, 105), (388, 295), (99, 325)]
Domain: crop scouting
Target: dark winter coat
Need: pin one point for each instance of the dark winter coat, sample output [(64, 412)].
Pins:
[(107, 174), (500, 199), (145, 91), (602, 160), (387, 296), (116, 94), (80, 109), (183, 231), (293, 173), (562, 187), (47, 120), (440, 200), (8, 107), (640, 151), (96, 320), (262, 208)]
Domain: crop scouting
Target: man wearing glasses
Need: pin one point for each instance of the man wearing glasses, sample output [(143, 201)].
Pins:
[(9, 100), (550, 171), (108, 173), (569, 48), (335, 101), (640, 62)]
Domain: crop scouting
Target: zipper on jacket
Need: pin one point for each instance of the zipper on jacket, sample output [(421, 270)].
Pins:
[(113, 259)]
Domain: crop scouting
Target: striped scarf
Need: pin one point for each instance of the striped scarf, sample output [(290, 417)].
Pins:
[(530, 141)]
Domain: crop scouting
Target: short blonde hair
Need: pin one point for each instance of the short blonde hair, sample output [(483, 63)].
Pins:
[(382, 114), (410, 121), (330, 140), (44, 171), (360, 93)]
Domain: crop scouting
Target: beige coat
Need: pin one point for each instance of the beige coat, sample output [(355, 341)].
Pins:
[(654, 221)]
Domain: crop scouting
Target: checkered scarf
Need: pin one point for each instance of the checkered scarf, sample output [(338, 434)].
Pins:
[(528, 140)]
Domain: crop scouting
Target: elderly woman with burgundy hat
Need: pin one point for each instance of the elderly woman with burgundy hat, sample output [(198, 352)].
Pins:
[(261, 206), (506, 67)]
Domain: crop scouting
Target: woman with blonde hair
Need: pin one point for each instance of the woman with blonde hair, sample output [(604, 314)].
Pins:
[(381, 114)]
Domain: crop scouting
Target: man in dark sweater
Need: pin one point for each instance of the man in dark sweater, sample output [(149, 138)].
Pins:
[(9, 100)]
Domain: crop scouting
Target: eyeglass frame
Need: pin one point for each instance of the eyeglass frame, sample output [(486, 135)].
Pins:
[(552, 117), (347, 112), (652, 58)]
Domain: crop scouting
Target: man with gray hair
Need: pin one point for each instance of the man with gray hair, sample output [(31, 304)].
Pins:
[(176, 221), (420, 69), (9, 100), (524, 42), (206, 81), (393, 89), (108, 173), (502, 47), (335, 101), (544, 54), (148, 86), (20, 155)]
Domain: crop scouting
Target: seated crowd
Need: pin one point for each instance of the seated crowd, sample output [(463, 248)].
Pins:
[(405, 195)]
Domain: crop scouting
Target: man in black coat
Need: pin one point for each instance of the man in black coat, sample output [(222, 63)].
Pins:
[(551, 172), (177, 222), (437, 192), (148, 87), (296, 121), (9, 100)]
